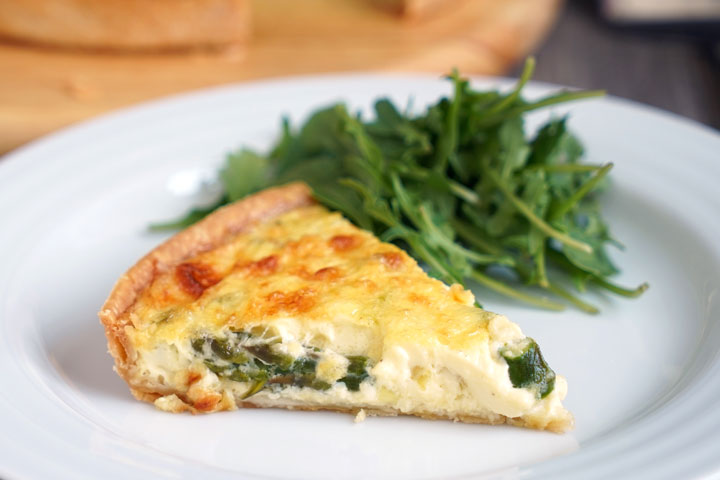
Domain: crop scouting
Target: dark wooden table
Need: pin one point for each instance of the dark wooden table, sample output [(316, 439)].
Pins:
[(675, 73)]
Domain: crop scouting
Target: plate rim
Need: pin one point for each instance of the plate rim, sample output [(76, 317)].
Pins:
[(19, 154)]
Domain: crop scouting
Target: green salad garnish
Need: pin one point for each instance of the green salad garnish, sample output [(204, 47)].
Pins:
[(462, 187)]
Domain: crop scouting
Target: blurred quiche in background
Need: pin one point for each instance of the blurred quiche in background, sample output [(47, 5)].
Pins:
[(153, 24), (126, 24)]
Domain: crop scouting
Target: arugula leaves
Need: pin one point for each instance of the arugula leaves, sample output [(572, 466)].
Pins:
[(461, 187)]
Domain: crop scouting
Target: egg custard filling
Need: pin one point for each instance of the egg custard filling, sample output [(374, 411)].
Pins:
[(303, 310)]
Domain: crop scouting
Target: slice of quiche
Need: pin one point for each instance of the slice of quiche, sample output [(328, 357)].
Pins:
[(276, 302)]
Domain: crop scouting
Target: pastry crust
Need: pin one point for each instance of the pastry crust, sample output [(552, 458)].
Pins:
[(559, 426), (209, 233)]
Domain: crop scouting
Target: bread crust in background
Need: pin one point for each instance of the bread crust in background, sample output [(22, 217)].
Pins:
[(127, 24), (151, 24), (414, 9)]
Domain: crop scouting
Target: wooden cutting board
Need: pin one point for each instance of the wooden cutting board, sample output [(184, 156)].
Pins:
[(43, 89)]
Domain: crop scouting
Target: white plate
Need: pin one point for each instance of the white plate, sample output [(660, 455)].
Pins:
[(644, 376)]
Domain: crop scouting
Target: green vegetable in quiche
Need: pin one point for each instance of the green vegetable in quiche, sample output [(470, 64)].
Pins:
[(527, 368), (463, 187), (245, 357), (225, 350), (356, 372)]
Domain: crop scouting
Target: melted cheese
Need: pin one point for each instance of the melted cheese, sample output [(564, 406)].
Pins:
[(320, 281)]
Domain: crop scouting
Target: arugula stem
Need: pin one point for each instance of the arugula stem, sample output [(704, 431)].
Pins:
[(433, 260), (457, 188), (372, 154), (623, 291), (565, 168), (404, 200), (464, 193), (370, 203), (525, 76), (448, 244), (534, 219), (448, 142), (562, 97), (564, 263), (541, 268), (470, 234), (561, 292), (506, 290), (562, 208)]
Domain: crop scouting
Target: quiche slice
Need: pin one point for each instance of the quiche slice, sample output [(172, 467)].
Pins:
[(276, 302)]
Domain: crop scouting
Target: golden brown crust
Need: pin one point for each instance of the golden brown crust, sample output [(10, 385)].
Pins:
[(211, 232), (127, 24), (492, 419), (177, 404)]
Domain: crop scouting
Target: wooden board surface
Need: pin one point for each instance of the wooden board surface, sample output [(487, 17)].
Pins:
[(42, 89)]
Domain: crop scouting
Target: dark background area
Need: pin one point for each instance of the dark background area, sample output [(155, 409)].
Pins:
[(673, 69)]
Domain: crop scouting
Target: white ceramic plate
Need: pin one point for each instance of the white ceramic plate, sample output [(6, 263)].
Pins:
[(644, 376)]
